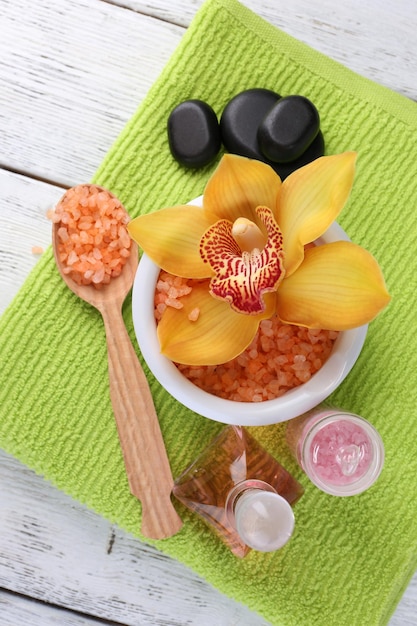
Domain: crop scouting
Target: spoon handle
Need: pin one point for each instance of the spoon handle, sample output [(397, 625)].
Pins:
[(145, 457)]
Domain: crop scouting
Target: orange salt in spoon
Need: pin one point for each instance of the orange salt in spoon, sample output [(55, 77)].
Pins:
[(97, 259)]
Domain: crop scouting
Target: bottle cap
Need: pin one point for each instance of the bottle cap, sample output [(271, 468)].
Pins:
[(342, 454), (264, 520)]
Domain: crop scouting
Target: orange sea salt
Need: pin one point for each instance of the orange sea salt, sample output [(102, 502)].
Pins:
[(169, 290), (280, 357), (93, 240)]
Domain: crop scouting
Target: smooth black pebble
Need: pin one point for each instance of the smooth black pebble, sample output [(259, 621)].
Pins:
[(313, 152), (288, 129), (194, 133), (241, 118)]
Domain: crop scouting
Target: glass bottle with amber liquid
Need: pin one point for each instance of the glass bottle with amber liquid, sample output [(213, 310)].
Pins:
[(241, 492)]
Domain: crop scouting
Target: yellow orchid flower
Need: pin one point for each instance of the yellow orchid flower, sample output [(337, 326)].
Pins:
[(246, 245)]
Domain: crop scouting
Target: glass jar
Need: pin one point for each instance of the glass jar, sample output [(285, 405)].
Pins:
[(241, 492), (340, 452)]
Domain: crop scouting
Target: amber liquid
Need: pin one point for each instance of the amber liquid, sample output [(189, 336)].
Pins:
[(233, 457)]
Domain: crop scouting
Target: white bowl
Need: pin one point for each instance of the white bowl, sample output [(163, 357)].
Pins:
[(345, 352)]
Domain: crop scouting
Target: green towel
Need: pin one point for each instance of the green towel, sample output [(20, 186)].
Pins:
[(350, 558)]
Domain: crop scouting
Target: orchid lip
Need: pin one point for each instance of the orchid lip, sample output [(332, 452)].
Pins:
[(243, 271)]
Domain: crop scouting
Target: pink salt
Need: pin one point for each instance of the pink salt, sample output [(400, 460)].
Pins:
[(333, 441), (194, 314)]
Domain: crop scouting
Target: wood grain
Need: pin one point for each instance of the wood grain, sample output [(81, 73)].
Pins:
[(146, 460), (72, 72), (144, 453), (83, 69), (15, 609), (57, 551)]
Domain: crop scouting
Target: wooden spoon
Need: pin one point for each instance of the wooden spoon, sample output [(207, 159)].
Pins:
[(145, 457)]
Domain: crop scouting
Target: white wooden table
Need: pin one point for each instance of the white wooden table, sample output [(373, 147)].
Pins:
[(72, 72)]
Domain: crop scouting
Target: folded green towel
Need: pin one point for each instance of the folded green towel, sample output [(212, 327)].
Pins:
[(350, 558)]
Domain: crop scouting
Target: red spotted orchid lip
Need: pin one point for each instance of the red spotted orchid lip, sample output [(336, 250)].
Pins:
[(243, 276)]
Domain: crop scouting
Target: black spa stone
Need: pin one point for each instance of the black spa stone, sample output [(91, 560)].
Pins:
[(194, 133), (314, 151), (241, 118), (288, 129)]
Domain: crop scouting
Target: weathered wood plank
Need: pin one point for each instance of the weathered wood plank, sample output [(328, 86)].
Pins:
[(24, 203), (57, 551), (372, 38), (87, 65), (68, 91), (17, 610)]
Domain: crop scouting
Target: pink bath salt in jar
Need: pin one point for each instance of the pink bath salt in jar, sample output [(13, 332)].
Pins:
[(341, 453)]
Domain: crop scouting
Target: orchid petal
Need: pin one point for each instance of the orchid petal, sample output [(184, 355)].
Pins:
[(338, 286), (216, 336), (171, 238), (311, 198), (242, 278), (238, 186)]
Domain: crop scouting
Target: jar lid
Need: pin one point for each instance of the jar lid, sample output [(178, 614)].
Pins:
[(343, 454), (264, 520)]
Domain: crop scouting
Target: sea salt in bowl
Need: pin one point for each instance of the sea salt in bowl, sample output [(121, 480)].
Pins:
[(345, 352)]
